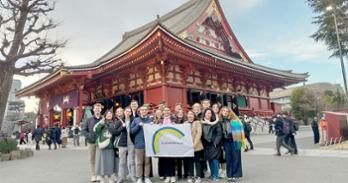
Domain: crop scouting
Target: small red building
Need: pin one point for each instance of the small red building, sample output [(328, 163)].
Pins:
[(178, 58), (337, 126)]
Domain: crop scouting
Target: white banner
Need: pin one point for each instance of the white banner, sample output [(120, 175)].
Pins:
[(168, 140)]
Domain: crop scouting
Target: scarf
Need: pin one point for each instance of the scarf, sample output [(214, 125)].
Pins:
[(207, 129), (238, 134)]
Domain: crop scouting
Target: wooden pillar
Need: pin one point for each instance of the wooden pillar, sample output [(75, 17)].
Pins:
[(63, 117), (50, 120), (80, 109)]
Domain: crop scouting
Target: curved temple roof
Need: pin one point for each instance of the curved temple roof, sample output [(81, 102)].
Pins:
[(174, 23)]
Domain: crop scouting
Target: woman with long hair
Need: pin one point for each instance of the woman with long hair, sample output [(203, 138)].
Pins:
[(125, 145), (234, 143), (212, 135), (180, 119), (196, 132), (167, 163), (105, 155)]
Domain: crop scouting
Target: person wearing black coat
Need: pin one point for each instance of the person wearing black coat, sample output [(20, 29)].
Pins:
[(247, 130), (37, 135), (281, 133), (121, 143), (315, 129), (290, 137), (212, 135)]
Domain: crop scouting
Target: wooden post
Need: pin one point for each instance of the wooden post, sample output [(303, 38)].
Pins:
[(80, 109)]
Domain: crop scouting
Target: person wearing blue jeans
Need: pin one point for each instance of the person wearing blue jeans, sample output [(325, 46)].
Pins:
[(214, 168), (212, 135), (234, 143)]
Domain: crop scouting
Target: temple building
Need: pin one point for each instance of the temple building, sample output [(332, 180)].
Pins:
[(180, 57)]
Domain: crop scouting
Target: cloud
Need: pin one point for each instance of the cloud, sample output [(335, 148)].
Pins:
[(295, 49), (257, 54), (304, 49), (240, 6)]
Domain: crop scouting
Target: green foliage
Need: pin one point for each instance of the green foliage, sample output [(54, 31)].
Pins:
[(324, 19), (297, 98), (7, 145), (306, 103)]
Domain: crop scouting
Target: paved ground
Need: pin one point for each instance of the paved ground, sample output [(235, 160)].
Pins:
[(311, 165)]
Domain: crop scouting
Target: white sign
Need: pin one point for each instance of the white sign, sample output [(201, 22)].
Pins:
[(168, 140)]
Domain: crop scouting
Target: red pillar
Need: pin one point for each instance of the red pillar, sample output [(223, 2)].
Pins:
[(79, 109)]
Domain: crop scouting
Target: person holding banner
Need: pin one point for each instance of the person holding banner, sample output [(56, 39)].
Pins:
[(196, 132), (180, 119), (142, 162), (212, 135), (234, 143), (197, 109), (167, 163)]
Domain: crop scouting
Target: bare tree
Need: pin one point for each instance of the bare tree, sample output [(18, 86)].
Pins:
[(25, 48)]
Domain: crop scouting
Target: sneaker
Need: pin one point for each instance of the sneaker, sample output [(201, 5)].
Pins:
[(172, 180), (230, 180), (216, 179), (167, 180), (93, 179), (198, 180), (133, 179), (161, 178), (189, 180), (102, 180), (99, 178), (147, 180), (110, 180), (120, 180), (140, 180)]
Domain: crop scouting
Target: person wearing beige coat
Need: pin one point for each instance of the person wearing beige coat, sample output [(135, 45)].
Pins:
[(196, 132)]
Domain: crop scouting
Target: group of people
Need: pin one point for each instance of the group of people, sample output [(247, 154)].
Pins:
[(117, 145), (285, 130), (56, 136)]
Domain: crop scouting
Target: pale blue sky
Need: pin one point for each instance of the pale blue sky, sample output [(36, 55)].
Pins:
[(274, 33)]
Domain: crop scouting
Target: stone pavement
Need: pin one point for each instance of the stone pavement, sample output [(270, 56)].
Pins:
[(311, 165)]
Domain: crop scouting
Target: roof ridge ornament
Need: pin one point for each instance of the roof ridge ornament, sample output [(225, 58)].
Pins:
[(158, 18)]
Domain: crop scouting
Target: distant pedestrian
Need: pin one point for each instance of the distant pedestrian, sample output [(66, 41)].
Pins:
[(30, 138), (22, 137), (247, 130), (37, 136), (270, 126), (65, 135), (57, 133), (290, 137), (50, 138), (315, 129), (281, 130), (76, 134), (323, 126)]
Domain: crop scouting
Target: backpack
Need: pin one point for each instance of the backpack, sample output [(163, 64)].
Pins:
[(286, 127), (248, 127)]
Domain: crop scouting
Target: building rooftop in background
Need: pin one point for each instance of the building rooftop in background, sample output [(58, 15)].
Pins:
[(283, 96)]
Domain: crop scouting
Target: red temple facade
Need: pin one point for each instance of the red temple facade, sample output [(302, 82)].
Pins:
[(178, 58)]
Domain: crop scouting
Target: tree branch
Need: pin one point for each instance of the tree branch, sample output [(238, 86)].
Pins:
[(39, 65)]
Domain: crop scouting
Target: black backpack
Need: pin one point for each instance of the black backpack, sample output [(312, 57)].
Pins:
[(286, 127)]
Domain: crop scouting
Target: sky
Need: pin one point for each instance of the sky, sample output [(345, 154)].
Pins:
[(274, 33)]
